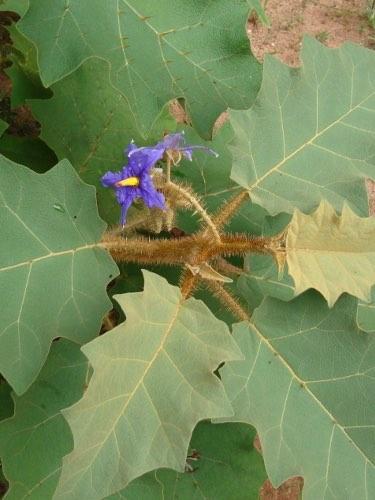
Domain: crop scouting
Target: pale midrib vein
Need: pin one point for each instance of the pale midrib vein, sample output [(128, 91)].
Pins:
[(287, 158), (50, 255), (311, 394), (296, 250), (189, 60), (131, 395)]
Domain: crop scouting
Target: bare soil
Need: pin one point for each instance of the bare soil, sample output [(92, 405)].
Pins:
[(332, 22)]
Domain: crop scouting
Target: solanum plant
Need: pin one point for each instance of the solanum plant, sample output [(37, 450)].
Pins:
[(165, 288)]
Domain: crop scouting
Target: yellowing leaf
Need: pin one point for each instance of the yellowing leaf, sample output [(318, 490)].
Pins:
[(153, 382), (331, 253)]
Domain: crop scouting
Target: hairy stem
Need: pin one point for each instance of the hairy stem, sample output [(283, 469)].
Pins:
[(229, 208), (148, 251), (191, 250), (226, 267), (198, 207), (227, 299), (188, 283)]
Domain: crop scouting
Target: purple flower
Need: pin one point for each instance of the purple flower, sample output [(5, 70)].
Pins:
[(134, 181), (171, 144)]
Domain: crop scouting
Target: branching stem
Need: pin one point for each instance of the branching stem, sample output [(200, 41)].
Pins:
[(191, 250)]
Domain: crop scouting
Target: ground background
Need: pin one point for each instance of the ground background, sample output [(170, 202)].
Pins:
[(332, 22)]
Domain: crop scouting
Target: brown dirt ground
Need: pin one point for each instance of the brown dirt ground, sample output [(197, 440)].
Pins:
[(332, 22)]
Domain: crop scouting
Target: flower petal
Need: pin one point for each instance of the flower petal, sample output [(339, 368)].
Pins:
[(129, 148), (124, 210), (173, 141), (142, 159), (110, 178), (187, 151), (153, 198)]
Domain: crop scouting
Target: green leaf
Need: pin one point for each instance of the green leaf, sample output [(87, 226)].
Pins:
[(153, 381), (18, 6), (22, 87), (53, 274), (95, 125), (6, 402), (3, 126), (28, 151), (307, 386), (261, 278), (333, 254), (24, 73), (310, 133), (366, 314), (210, 178), (33, 442), (261, 274), (196, 50), (225, 465)]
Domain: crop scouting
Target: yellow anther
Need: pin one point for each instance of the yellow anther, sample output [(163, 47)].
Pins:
[(130, 181)]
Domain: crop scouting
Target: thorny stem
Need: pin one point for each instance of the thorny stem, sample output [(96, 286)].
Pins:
[(191, 250), (227, 300), (198, 207), (229, 208), (188, 283), (226, 267)]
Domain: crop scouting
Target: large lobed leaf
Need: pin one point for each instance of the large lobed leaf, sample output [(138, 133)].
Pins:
[(329, 252), (307, 385), (222, 464), (34, 440), (366, 314), (333, 254), (95, 125), (53, 273), (310, 133), (223, 459), (196, 50), (153, 381)]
